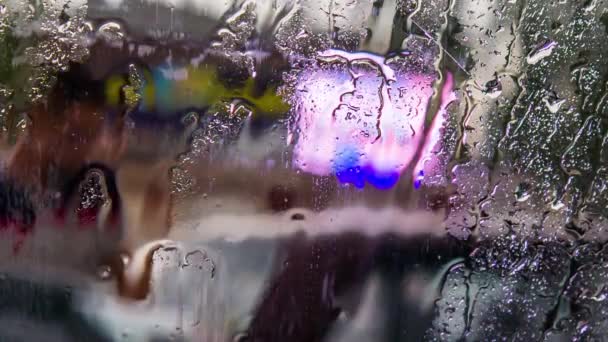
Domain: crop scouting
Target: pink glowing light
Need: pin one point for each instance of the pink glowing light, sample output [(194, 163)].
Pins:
[(433, 144), (360, 118)]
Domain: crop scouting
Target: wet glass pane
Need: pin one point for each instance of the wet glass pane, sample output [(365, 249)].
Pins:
[(303, 170)]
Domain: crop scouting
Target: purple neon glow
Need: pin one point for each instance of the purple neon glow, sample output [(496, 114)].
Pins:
[(360, 119), (433, 144)]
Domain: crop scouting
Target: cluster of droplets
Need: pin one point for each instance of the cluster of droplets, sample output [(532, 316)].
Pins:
[(37, 39), (237, 30), (59, 40), (133, 89), (223, 121), (527, 174), (507, 289), (238, 27), (91, 191), (187, 275)]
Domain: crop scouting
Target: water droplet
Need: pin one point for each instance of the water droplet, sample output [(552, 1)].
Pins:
[(190, 119), (125, 258), (493, 88), (543, 51), (133, 90), (104, 272), (111, 31), (523, 193), (553, 103), (200, 260)]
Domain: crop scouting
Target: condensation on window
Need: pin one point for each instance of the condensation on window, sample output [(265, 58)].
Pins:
[(291, 170)]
